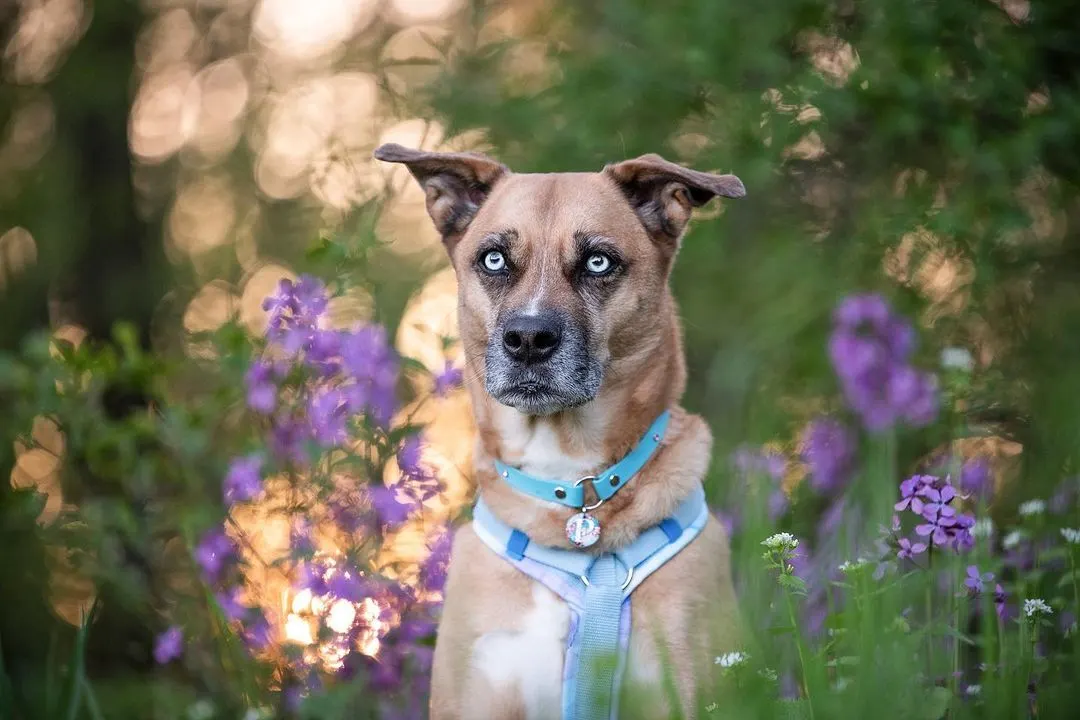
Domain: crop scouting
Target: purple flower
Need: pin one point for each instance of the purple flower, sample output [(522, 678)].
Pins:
[(937, 527), (909, 549), (347, 585), (408, 457), (390, 510), (328, 415), (999, 601), (257, 634), (261, 388), (213, 551), (963, 540), (287, 438), (243, 481), (312, 576), (974, 580), (870, 349), (910, 494), (324, 347), (976, 479), (433, 570), (294, 312), (229, 602), (829, 451), (447, 380), (300, 536), (855, 311), (370, 361), (168, 645)]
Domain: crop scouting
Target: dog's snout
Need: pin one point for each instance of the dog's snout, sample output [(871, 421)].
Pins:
[(532, 338)]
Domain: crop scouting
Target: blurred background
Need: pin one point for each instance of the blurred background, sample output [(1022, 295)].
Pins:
[(164, 163)]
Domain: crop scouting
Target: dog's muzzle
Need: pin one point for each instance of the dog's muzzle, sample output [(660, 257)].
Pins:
[(540, 364)]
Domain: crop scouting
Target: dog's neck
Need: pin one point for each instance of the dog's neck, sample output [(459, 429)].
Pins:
[(582, 441)]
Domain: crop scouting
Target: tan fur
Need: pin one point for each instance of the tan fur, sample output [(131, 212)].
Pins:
[(685, 613)]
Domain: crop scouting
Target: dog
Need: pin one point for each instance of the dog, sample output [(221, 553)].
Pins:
[(573, 348)]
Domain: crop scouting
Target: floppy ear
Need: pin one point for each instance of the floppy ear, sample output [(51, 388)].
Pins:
[(663, 194), (455, 184)]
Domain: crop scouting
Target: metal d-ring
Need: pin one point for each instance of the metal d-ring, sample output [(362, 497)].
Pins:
[(626, 584), (600, 500)]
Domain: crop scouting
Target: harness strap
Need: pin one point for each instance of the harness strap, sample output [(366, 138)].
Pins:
[(595, 694), (597, 587)]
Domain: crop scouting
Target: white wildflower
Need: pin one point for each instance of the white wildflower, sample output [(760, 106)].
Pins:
[(1012, 539), (1032, 507), (711, 707), (732, 659), (984, 527), (768, 674), (781, 541), (973, 690), (848, 566), (957, 358), (1036, 606), (1071, 535)]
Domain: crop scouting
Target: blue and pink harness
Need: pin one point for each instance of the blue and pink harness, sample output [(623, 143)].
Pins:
[(596, 587)]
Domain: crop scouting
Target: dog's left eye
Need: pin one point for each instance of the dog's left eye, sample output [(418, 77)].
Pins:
[(598, 264)]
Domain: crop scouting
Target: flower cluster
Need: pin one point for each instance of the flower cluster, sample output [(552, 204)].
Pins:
[(732, 659), (781, 542), (323, 391), (931, 499), (870, 348), (1034, 607)]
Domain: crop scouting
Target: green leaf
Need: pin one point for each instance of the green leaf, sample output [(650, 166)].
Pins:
[(1068, 578)]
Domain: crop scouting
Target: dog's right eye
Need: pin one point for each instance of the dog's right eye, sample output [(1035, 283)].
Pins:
[(493, 261)]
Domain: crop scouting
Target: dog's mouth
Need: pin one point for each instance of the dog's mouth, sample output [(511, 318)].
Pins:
[(535, 392), (535, 397)]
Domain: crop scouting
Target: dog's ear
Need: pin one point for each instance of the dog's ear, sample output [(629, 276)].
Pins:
[(663, 194), (455, 184)]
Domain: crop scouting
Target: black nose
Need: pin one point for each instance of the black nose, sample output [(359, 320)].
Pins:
[(532, 338)]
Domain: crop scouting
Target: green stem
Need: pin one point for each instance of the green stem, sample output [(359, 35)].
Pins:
[(1076, 592), (930, 615), (803, 666), (956, 641)]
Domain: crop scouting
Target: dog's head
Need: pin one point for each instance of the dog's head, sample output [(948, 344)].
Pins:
[(562, 277)]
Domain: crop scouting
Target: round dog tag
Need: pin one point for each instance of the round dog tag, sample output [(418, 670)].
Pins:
[(583, 529)]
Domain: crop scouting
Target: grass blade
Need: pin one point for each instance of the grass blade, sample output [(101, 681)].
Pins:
[(77, 666)]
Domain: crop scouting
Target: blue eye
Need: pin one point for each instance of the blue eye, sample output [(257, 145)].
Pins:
[(494, 261), (598, 264)]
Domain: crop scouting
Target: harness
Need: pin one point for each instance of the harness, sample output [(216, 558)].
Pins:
[(596, 587)]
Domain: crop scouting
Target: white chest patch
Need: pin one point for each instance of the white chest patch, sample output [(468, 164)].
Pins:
[(531, 659), (541, 455)]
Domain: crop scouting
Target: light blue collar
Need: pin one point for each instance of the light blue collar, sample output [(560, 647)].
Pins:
[(571, 493)]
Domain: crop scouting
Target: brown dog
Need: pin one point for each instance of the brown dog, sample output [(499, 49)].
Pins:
[(573, 347)]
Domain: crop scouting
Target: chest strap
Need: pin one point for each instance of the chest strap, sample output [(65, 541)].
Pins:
[(596, 586)]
